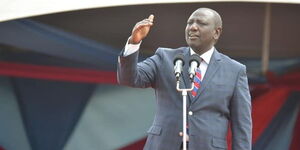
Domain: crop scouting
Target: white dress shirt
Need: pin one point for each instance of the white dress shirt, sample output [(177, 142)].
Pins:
[(131, 48)]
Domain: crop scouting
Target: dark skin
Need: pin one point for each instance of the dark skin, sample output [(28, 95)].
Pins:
[(141, 30), (202, 31)]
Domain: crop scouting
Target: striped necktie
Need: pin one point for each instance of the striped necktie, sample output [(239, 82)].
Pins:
[(197, 82)]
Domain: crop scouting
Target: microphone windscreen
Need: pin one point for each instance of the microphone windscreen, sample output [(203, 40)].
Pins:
[(196, 58), (179, 56)]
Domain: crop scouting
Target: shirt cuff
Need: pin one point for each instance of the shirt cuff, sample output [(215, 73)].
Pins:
[(131, 48)]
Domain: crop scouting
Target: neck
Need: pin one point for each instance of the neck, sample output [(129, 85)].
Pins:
[(201, 51)]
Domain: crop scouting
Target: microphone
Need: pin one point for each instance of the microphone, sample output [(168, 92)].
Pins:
[(194, 64), (178, 63)]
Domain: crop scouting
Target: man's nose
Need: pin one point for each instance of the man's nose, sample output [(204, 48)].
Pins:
[(194, 27)]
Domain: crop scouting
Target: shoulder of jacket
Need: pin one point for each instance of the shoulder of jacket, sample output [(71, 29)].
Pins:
[(231, 61)]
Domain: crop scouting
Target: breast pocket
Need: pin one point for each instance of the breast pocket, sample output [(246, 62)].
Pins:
[(220, 89), (218, 95)]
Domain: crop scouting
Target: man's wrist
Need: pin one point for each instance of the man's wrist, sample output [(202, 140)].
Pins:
[(131, 48), (132, 41)]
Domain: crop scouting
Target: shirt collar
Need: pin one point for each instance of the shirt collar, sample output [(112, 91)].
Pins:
[(205, 56)]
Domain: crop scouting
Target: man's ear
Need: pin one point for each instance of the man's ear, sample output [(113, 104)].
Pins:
[(218, 32)]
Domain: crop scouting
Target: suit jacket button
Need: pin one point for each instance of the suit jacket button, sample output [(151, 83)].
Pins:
[(180, 133), (190, 113)]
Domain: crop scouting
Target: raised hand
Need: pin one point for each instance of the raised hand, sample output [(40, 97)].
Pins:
[(141, 30)]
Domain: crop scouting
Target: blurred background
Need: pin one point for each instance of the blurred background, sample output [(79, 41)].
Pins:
[(58, 88)]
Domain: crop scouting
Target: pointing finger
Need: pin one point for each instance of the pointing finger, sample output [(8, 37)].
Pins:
[(151, 18)]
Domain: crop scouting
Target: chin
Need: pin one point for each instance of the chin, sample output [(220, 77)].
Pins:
[(193, 45)]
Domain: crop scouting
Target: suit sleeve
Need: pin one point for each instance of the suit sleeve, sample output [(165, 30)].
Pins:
[(134, 74), (240, 111)]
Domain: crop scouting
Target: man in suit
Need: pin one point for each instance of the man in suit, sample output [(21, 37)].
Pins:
[(222, 100)]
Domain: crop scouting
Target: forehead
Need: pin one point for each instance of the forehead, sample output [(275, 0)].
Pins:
[(202, 14)]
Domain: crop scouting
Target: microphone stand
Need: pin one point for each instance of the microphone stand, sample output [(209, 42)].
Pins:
[(184, 95)]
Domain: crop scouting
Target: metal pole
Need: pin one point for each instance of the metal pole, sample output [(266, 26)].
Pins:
[(184, 95), (266, 39)]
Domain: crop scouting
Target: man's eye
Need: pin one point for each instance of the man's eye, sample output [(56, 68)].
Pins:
[(202, 23)]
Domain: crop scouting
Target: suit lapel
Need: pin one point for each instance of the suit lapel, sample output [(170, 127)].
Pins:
[(212, 68)]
